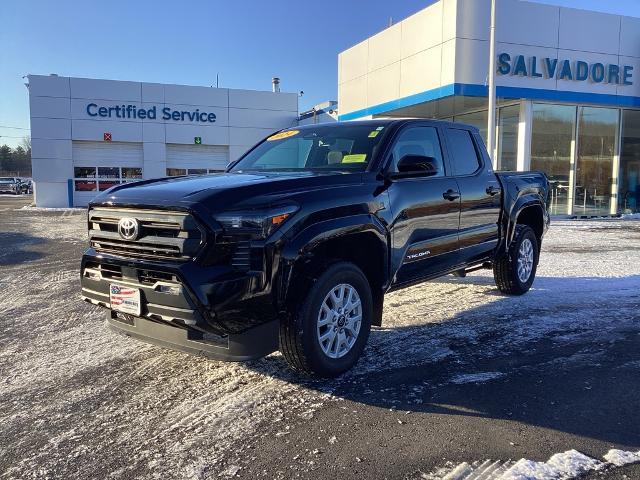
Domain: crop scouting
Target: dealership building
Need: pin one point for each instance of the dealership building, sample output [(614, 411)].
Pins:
[(568, 90), (88, 135), (568, 104)]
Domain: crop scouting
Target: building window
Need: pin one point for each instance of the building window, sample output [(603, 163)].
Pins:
[(80, 182), (107, 177), (131, 173), (85, 185), (508, 121), (629, 187), (108, 172), (480, 120), (176, 172), (84, 172), (552, 137), (107, 184), (597, 133)]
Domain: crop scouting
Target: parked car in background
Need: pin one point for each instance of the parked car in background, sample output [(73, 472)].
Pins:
[(26, 186), (10, 185)]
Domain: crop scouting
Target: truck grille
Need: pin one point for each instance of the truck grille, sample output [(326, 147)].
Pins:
[(241, 259), (160, 235)]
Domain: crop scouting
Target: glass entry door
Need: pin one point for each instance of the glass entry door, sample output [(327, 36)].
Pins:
[(597, 142), (629, 190), (508, 124), (552, 150)]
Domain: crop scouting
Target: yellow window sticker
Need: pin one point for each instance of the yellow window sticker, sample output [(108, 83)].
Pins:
[(354, 158), (281, 135), (374, 134)]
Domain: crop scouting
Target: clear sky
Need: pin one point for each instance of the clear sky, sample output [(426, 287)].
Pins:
[(246, 42)]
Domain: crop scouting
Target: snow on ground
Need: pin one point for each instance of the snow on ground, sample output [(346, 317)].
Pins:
[(77, 401), (561, 466)]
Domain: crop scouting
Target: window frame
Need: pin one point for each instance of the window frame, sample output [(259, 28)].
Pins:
[(479, 155), (113, 180), (388, 154)]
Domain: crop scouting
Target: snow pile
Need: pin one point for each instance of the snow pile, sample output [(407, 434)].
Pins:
[(561, 466), (569, 464), (529, 470), (621, 457)]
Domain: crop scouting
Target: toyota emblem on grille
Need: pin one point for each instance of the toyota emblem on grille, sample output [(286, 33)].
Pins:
[(128, 228)]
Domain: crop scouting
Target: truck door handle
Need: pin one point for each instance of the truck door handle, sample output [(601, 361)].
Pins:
[(493, 190), (451, 195)]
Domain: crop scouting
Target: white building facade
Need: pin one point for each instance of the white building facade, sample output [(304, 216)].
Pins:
[(568, 88), (88, 135)]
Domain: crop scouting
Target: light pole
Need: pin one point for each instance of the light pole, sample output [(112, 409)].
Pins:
[(491, 117)]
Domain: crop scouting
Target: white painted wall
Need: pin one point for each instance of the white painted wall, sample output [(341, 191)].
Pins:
[(59, 116), (447, 43)]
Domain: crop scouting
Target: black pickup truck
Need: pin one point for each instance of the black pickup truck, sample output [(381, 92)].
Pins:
[(296, 244)]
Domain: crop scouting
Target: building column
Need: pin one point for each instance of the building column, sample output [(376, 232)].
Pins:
[(615, 177), (523, 162), (155, 160)]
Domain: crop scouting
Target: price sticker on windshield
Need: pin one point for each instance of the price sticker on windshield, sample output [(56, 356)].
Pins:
[(355, 158), (281, 135)]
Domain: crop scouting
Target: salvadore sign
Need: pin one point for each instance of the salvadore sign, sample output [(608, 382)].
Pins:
[(152, 113), (564, 69)]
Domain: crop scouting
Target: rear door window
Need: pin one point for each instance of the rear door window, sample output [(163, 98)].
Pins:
[(463, 152)]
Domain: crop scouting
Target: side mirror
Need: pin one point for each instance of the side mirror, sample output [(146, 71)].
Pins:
[(418, 165)]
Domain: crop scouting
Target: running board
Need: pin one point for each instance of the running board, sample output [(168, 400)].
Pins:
[(463, 272)]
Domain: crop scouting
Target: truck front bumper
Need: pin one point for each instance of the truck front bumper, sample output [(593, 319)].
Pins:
[(212, 314), (250, 345)]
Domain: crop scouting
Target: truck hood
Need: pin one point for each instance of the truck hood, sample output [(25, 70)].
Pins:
[(222, 191)]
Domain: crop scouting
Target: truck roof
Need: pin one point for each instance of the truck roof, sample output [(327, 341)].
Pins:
[(390, 121)]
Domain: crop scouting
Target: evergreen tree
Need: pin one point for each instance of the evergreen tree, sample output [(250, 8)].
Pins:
[(5, 158)]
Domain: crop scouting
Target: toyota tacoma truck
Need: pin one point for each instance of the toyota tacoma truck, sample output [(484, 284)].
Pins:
[(295, 245)]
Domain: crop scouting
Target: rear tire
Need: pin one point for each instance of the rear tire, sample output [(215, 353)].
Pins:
[(515, 271), (327, 332)]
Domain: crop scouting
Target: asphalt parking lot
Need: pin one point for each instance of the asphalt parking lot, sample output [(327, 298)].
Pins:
[(459, 375)]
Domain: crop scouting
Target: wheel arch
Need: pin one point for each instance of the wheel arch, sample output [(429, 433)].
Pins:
[(359, 239), (527, 211)]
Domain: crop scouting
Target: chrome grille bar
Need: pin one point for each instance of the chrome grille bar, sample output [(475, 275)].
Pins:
[(162, 235)]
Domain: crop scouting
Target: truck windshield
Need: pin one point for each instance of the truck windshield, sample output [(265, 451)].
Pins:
[(347, 148)]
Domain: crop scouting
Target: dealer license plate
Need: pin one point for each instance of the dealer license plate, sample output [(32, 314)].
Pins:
[(125, 299)]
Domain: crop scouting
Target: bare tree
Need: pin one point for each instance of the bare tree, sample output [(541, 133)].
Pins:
[(26, 143)]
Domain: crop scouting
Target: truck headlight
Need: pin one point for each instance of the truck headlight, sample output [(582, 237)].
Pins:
[(255, 223)]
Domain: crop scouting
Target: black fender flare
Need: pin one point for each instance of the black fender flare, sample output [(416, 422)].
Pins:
[(302, 245), (525, 201)]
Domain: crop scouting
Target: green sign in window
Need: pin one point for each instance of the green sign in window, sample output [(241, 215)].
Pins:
[(197, 140)]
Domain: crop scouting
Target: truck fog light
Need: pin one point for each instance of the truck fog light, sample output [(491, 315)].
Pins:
[(169, 289), (91, 275)]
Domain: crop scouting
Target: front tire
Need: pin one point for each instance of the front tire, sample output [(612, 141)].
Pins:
[(328, 330), (515, 271)]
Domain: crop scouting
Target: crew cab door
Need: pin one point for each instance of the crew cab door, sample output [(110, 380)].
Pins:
[(481, 194), (425, 208)]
